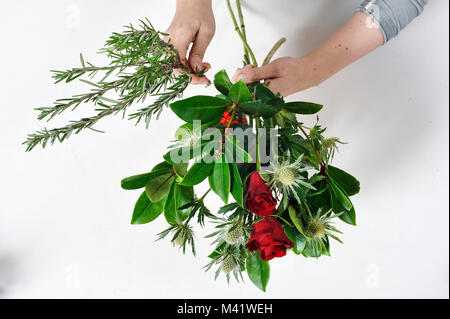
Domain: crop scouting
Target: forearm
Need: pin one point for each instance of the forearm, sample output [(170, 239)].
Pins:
[(351, 42)]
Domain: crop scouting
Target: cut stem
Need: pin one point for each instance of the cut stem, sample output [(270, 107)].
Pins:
[(258, 160), (273, 51), (244, 33), (238, 30)]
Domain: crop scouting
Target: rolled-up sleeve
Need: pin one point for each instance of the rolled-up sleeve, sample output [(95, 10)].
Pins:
[(392, 15)]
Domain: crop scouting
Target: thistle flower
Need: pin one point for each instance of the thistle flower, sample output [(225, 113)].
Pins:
[(319, 227), (228, 264), (182, 236), (287, 176), (234, 234), (328, 148)]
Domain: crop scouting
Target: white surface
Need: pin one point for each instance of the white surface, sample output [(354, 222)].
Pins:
[(64, 221)]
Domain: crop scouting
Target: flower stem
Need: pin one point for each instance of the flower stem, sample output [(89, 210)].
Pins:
[(258, 160), (321, 162), (238, 30), (273, 51), (244, 33)]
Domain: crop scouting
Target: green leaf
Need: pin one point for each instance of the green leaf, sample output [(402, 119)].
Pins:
[(296, 220), (220, 179), (236, 152), (239, 92), (339, 195), (197, 173), (180, 169), (302, 107), (139, 181), (222, 82), (159, 187), (203, 108), (344, 180), (259, 108), (348, 216), (298, 239), (237, 190), (261, 92), (170, 208), (146, 211), (178, 196), (258, 271)]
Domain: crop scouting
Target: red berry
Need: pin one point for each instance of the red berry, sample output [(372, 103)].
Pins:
[(234, 122), (226, 114), (244, 121), (223, 120)]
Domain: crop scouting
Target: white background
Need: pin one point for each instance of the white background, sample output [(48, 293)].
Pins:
[(65, 222)]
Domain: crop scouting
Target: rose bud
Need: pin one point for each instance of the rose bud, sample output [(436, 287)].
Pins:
[(260, 200), (269, 238)]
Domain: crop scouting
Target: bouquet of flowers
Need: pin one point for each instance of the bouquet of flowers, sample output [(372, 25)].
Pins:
[(272, 172)]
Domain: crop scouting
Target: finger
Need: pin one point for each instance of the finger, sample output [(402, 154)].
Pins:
[(180, 42), (195, 79), (201, 42), (250, 74)]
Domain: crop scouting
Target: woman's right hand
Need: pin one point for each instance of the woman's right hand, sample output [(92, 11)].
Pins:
[(193, 23)]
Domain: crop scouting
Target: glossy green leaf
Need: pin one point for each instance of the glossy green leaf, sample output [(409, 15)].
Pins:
[(159, 187), (178, 196), (339, 195), (302, 107), (220, 179), (239, 92), (258, 270), (296, 220), (297, 238), (261, 92), (197, 173), (203, 108), (146, 211), (237, 190), (348, 216), (139, 181), (349, 184), (258, 108), (222, 82), (180, 169)]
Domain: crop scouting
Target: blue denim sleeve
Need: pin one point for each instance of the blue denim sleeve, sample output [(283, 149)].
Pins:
[(392, 15)]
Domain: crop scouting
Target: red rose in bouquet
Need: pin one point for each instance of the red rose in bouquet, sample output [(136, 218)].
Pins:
[(260, 200), (269, 238)]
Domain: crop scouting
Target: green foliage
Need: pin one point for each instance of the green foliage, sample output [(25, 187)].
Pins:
[(146, 211), (258, 271), (203, 108), (197, 173), (349, 184), (302, 107), (237, 189), (239, 92), (220, 179), (222, 82), (142, 64), (139, 181)]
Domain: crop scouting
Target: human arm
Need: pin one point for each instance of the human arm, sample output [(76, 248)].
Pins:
[(360, 35)]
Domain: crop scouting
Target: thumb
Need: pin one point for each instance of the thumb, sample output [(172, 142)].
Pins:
[(250, 74), (199, 47)]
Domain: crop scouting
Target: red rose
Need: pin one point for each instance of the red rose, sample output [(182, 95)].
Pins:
[(260, 200), (269, 238)]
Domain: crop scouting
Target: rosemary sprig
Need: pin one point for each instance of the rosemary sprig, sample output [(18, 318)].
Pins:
[(143, 66)]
